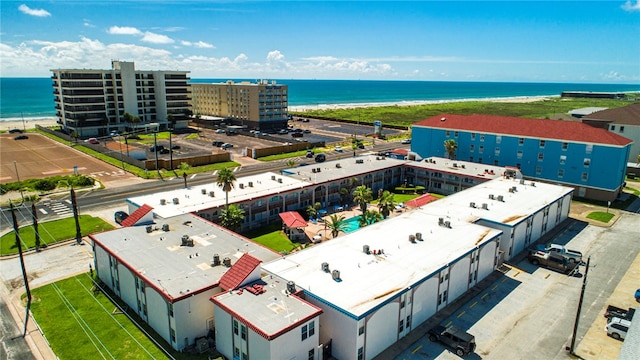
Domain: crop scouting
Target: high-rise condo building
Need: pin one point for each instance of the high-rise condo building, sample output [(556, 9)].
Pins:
[(94, 102)]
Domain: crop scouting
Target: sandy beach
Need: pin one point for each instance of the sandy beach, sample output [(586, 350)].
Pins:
[(30, 123)]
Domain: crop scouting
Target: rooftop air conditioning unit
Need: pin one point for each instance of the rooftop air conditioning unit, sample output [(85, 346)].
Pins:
[(241, 185), (485, 206), (447, 224), (365, 249), (317, 169), (250, 183), (521, 181), (149, 229), (273, 177), (325, 267), (216, 259), (165, 227), (472, 204), (500, 198), (412, 238), (338, 165), (335, 275), (510, 189), (455, 165), (280, 180), (491, 196), (163, 201), (419, 236), (203, 191), (176, 201), (212, 194), (291, 287), (226, 262), (462, 166), (441, 221)]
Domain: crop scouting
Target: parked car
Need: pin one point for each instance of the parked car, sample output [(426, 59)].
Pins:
[(614, 311), (119, 217), (217, 143), (552, 261), (617, 328), (321, 158), (462, 342), (297, 134), (305, 120), (226, 146), (306, 131), (360, 145), (220, 131), (21, 137), (92, 141), (338, 148), (175, 147), (165, 151), (309, 154), (283, 131), (15, 131), (571, 255), (406, 141), (156, 148), (115, 133), (637, 295)]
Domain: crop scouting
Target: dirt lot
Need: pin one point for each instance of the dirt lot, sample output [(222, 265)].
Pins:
[(39, 157)]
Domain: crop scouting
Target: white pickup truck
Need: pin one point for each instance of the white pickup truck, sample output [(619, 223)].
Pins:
[(571, 255)]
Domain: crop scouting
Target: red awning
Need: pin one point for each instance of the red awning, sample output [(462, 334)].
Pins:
[(421, 200), (292, 219)]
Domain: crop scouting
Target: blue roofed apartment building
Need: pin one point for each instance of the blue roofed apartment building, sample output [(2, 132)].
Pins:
[(570, 153)]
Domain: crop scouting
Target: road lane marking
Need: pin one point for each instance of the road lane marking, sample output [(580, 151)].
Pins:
[(416, 349)]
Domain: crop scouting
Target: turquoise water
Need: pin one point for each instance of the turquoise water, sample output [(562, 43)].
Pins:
[(33, 97), (351, 224)]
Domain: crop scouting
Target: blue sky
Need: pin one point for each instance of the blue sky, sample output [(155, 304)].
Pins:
[(535, 41)]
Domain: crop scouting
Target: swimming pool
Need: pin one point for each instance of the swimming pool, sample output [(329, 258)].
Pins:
[(351, 224)]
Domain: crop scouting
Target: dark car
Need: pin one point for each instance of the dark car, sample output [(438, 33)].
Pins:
[(15, 131), (306, 131), (309, 154), (119, 217), (297, 134), (283, 131), (165, 151), (459, 340), (321, 157), (156, 148), (21, 137), (217, 143), (305, 120), (175, 147)]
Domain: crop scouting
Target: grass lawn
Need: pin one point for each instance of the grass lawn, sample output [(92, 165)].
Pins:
[(81, 323), (272, 237), (283, 156), (51, 232), (600, 216)]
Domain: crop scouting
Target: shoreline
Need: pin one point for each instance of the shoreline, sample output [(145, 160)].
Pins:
[(47, 121)]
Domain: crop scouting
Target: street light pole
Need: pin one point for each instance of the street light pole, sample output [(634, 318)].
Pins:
[(575, 325), (15, 166)]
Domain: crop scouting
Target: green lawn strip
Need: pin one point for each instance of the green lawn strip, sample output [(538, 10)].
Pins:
[(407, 115), (600, 216), (272, 237), (192, 136), (616, 204), (635, 192), (80, 323), (283, 156), (51, 232)]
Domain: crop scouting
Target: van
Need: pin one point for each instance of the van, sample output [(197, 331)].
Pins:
[(617, 328)]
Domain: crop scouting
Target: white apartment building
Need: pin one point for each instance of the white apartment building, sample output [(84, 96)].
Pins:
[(93, 102), (262, 105)]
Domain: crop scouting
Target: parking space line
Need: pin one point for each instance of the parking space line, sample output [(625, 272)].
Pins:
[(546, 277), (472, 305), (416, 349), (514, 275), (193, 176), (494, 287), (484, 296), (448, 324), (459, 315)]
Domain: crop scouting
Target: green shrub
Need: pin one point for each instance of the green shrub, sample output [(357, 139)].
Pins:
[(45, 185), (81, 180)]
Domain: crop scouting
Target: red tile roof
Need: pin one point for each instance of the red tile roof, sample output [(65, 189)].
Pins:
[(238, 273), (537, 128), (136, 215), (421, 200), (400, 151), (292, 219)]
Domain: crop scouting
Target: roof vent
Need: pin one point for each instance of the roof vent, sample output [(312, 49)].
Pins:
[(163, 201), (212, 194), (216, 259), (485, 206), (335, 275), (443, 119), (291, 287), (203, 191), (226, 262), (500, 198), (325, 267), (365, 249), (165, 227), (176, 201), (419, 236), (472, 204)]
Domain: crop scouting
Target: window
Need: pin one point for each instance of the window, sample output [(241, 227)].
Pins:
[(455, 134), (243, 330), (481, 149), (446, 133), (613, 128), (312, 328), (361, 353), (565, 146), (563, 159), (519, 154), (304, 332), (497, 151), (173, 335), (473, 136), (540, 156), (542, 142), (482, 137), (471, 147), (236, 352), (361, 330), (480, 160), (170, 306), (495, 162), (588, 149), (621, 129), (521, 141), (470, 158), (235, 327), (312, 354), (587, 162), (585, 176), (560, 173), (401, 326), (498, 139), (538, 170)]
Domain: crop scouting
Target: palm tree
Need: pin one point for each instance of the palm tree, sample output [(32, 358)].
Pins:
[(312, 210), (369, 217), (226, 179), (386, 203), (232, 217), (336, 224), (451, 146), (362, 195)]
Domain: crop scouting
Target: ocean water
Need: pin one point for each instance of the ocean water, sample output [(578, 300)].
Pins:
[(33, 97)]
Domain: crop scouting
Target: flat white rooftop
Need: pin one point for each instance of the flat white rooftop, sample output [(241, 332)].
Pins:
[(196, 198), (272, 311), (369, 280), (463, 168), (179, 270), (346, 167)]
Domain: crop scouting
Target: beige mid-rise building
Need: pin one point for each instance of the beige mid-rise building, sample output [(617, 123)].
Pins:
[(262, 105)]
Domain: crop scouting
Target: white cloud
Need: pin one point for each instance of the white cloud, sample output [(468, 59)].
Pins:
[(631, 6), (156, 38), (33, 12), (198, 44), (124, 30), (87, 23)]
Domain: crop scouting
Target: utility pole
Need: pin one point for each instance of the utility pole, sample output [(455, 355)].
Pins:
[(15, 166), (575, 325), (24, 270), (76, 217), (34, 217)]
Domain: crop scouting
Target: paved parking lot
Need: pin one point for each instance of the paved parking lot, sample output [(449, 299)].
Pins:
[(529, 312)]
